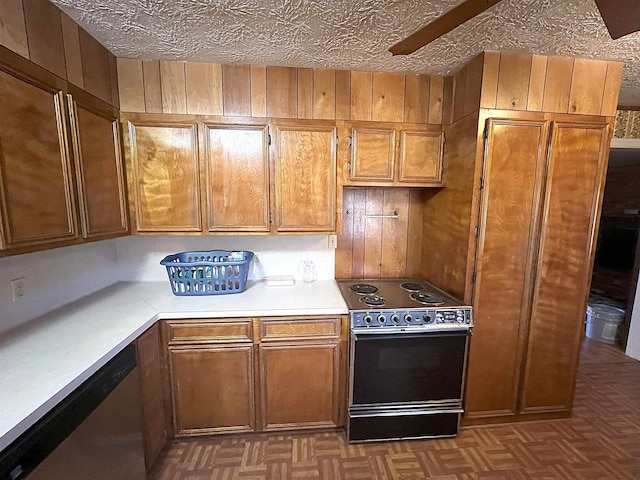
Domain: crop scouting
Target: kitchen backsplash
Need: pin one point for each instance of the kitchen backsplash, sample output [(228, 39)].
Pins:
[(55, 277), (138, 257)]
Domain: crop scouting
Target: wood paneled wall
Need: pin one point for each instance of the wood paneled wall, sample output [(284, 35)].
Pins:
[(40, 32), (283, 92), (374, 247), (535, 83)]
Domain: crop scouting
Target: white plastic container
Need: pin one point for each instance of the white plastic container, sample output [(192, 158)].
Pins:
[(603, 323)]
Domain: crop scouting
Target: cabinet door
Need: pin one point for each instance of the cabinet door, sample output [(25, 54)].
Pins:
[(36, 187), (151, 385), (237, 160), (575, 181), (212, 388), (299, 385), (420, 157), (99, 172), (305, 178), (165, 182), (513, 168), (373, 154)]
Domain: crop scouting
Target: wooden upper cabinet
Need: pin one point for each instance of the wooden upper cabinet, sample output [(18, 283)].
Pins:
[(305, 177), (237, 177), (165, 177), (373, 154), (36, 187), (420, 156), (99, 169), (395, 155)]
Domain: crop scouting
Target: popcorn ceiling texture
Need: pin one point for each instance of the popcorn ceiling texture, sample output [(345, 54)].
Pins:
[(349, 34)]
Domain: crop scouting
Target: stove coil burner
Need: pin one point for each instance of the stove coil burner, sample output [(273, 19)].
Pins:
[(363, 289), (411, 287), (427, 298), (373, 300)]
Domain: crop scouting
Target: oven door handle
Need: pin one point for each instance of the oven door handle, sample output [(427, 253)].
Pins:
[(395, 336)]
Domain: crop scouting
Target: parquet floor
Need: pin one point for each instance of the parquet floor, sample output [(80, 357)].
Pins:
[(600, 441)]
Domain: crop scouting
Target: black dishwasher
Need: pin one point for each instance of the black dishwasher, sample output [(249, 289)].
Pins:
[(94, 433)]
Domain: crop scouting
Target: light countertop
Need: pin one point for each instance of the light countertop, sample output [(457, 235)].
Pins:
[(46, 359)]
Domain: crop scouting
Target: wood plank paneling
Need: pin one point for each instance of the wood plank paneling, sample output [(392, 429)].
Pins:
[(361, 95), (95, 67), (359, 237), (394, 233), (152, 86), (513, 81), (174, 95), (587, 86), (113, 75), (282, 87), (13, 31), (388, 97), (459, 84), (374, 207), (344, 250), (343, 95), (436, 99), (414, 232), (259, 91), (490, 73), (131, 85), (73, 59), (536, 83), (44, 34), (236, 89), (305, 92), (416, 104), (557, 85), (473, 84), (204, 88), (324, 96), (611, 89)]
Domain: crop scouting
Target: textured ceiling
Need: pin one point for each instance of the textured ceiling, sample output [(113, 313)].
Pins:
[(349, 34)]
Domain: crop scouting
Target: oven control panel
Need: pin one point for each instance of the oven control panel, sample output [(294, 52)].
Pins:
[(436, 318)]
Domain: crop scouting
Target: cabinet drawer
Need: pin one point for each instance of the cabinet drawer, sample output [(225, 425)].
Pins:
[(297, 328), (210, 331)]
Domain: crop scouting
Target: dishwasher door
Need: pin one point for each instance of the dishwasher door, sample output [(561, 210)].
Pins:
[(94, 434)]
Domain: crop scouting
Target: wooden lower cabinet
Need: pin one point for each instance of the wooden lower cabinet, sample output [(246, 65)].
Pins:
[(299, 385), (154, 427), (243, 375), (212, 388)]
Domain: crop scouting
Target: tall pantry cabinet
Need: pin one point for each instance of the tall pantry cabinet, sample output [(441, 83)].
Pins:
[(532, 182)]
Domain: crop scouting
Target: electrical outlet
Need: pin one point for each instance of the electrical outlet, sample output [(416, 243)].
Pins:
[(333, 241), (18, 288)]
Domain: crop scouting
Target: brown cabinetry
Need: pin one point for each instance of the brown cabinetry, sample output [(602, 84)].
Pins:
[(153, 394), (543, 178), (98, 162), (305, 177), (237, 177), (299, 373), (223, 381), (211, 369), (60, 164), (164, 179), (394, 154)]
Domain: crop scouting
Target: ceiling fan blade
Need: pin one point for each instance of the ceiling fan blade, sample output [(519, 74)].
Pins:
[(441, 25), (621, 17)]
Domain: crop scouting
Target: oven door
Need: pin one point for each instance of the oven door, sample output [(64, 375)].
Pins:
[(410, 369)]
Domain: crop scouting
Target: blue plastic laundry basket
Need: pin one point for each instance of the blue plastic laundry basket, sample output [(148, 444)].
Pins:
[(216, 272)]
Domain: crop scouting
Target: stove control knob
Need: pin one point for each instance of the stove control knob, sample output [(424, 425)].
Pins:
[(380, 319), (408, 318), (439, 318), (427, 318), (367, 319), (395, 318)]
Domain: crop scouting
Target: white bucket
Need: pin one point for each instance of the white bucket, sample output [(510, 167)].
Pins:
[(603, 323)]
